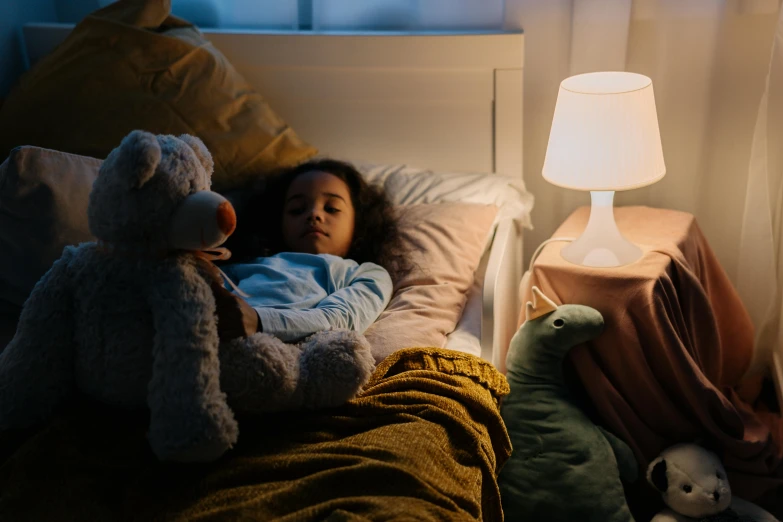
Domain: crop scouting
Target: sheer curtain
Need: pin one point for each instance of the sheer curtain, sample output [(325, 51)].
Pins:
[(760, 258), (718, 87)]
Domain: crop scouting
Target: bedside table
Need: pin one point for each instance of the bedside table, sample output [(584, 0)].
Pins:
[(677, 341)]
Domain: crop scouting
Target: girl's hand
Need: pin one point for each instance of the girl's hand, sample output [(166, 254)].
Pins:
[(235, 317)]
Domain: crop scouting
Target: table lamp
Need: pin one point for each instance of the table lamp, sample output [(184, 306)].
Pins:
[(604, 138)]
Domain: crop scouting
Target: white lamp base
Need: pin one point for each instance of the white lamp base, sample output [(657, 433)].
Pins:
[(601, 244)]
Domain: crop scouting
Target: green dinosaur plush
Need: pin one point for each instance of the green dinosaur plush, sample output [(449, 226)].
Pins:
[(563, 467)]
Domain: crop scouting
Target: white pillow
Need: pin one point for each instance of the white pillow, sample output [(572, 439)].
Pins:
[(410, 185)]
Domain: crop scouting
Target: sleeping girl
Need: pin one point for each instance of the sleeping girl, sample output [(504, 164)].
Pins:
[(315, 250)]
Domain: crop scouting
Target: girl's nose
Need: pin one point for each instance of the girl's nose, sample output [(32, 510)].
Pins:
[(314, 215)]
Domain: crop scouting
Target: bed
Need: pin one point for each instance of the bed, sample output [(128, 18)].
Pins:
[(460, 94), (437, 119)]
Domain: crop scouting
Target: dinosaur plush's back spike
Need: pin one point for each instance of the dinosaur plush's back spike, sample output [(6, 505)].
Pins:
[(541, 305)]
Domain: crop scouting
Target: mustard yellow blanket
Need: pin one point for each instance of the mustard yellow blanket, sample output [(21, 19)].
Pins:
[(425, 441)]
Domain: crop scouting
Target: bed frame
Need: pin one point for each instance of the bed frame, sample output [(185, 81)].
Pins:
[(450, 102)]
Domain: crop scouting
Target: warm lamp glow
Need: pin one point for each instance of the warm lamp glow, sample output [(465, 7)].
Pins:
[(604, 138)]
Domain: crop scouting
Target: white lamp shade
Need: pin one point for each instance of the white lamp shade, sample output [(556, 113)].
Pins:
[(605, 133)]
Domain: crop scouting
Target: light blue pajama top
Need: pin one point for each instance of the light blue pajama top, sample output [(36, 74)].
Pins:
[(298, 294)]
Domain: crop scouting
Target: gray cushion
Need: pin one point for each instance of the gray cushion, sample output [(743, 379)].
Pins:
[(43, 208)]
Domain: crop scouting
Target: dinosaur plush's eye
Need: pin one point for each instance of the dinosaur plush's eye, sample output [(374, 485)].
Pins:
[(558, 323), (686, 488), (718, 474)]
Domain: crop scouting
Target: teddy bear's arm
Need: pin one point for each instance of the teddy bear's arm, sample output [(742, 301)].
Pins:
[(626, 462), (190, 420), (36, 368)]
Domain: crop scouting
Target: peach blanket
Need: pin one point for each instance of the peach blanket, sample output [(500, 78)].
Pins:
[(669, 366)]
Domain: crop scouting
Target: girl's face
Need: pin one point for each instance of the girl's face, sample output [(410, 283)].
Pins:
[(318, 216)]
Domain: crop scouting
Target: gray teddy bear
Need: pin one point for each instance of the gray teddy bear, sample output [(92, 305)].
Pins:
[(130, 320)]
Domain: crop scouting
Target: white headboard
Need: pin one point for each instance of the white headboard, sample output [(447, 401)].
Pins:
[(445, 101)]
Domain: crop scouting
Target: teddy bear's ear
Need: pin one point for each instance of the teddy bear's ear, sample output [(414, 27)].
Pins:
[(656, 474), (139, 156), (201, 151)]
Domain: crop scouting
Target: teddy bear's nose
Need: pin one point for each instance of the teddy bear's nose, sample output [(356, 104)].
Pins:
[(226, 218)]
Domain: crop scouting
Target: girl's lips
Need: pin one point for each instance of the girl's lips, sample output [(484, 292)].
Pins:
[(314, 232)]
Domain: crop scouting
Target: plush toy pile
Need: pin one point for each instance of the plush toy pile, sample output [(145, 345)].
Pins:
[(130, 320)]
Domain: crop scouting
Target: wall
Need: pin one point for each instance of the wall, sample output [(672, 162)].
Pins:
[(14, 13)]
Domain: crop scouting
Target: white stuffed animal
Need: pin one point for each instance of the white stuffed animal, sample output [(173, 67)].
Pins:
[(694, 485)]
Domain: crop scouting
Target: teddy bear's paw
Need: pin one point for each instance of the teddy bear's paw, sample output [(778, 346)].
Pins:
[(260, 374), (335, 364), (206, 435)]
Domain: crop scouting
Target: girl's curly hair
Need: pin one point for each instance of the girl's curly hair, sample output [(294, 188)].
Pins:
[(376, 236)]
